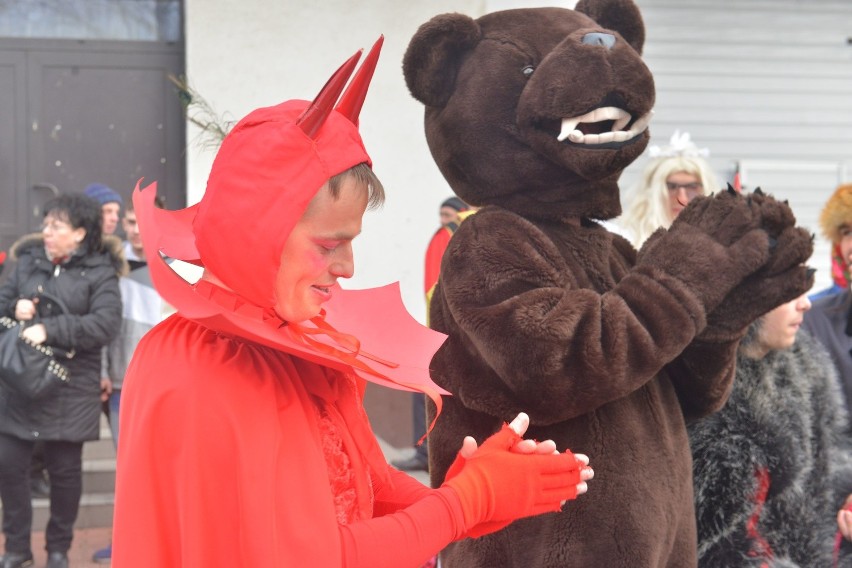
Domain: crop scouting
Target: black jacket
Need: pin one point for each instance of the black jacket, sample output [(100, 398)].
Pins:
[(88, 285)]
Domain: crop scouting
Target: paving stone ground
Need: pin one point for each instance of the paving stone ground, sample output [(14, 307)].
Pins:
[(86, 542)]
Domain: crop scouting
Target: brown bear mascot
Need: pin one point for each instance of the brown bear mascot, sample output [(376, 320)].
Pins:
[(532, 114)]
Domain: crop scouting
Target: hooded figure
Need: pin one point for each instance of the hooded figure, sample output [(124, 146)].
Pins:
[(244, 440)]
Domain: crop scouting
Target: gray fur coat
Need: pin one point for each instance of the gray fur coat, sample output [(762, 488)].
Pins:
[(785, 416)]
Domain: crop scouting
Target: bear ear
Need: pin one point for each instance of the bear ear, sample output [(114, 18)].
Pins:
[(620, 15), (435, 54)]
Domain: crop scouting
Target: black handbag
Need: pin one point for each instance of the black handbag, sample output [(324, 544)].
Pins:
[(28, 369)]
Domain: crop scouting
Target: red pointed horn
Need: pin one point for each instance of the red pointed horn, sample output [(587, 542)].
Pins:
[(314, 116), (353, 99)]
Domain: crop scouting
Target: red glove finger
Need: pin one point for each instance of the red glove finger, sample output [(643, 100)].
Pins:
[(505, 439)]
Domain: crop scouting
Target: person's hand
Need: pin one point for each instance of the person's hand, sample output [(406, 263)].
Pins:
[(106, 388), (526, 446), (35, 334), (25, 310), (844, 519), (505, 479)]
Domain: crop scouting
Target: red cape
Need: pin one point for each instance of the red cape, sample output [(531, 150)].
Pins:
[(238, 457)]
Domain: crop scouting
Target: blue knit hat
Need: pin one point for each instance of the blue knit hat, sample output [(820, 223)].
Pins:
[(102, 194)]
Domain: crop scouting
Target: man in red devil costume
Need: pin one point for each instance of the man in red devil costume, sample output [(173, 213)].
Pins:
[(243, 438)]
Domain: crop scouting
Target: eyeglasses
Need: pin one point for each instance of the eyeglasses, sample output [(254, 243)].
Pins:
[(692, 188), (55, 226)]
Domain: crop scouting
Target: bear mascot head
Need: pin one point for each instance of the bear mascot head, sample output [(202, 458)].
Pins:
[(532, 114), (559, 99)]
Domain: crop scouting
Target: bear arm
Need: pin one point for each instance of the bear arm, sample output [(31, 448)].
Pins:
[(562, 350), (702, 376)]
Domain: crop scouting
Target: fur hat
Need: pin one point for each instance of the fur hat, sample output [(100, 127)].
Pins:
[(836, 213), (102, 194)]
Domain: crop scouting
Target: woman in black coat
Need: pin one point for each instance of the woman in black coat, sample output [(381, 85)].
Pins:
[(70, 261)]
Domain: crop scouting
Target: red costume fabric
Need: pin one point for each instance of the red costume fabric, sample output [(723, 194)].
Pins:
[(235, 431), (244, 441), (434, 253)]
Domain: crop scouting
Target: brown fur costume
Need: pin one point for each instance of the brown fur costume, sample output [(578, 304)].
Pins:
[(607, 351)]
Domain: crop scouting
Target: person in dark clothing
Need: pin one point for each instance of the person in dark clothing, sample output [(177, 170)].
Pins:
[(71, 261), (829, 320)]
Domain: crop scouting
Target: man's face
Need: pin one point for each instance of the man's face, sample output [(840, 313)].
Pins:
[(448, 215), (682, 188), (109, 216), (131, 229), (319, 251)]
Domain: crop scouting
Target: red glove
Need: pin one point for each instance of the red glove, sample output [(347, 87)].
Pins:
[(497, 486), (480, 529)]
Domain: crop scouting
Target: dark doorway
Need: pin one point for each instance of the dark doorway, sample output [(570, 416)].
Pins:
[(79, 111)]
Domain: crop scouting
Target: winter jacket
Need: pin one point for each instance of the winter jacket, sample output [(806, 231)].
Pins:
[(826, 321), (87, 283), (772, 468)]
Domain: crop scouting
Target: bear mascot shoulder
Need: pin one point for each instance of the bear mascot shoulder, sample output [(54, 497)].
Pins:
[(532, 114)]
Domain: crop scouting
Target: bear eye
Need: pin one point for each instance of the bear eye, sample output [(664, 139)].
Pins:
[(528, 70)]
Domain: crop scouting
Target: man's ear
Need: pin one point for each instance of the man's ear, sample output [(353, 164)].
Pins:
[(435, 54), (621, 16)]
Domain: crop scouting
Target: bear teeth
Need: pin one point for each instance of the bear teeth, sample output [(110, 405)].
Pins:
[(620, 119)]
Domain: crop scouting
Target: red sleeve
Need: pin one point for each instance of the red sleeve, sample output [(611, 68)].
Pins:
[(434, 253), (402, 491), (425, 527)]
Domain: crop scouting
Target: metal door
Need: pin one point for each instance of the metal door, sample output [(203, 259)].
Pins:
[(83, 112), (13, 148)]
